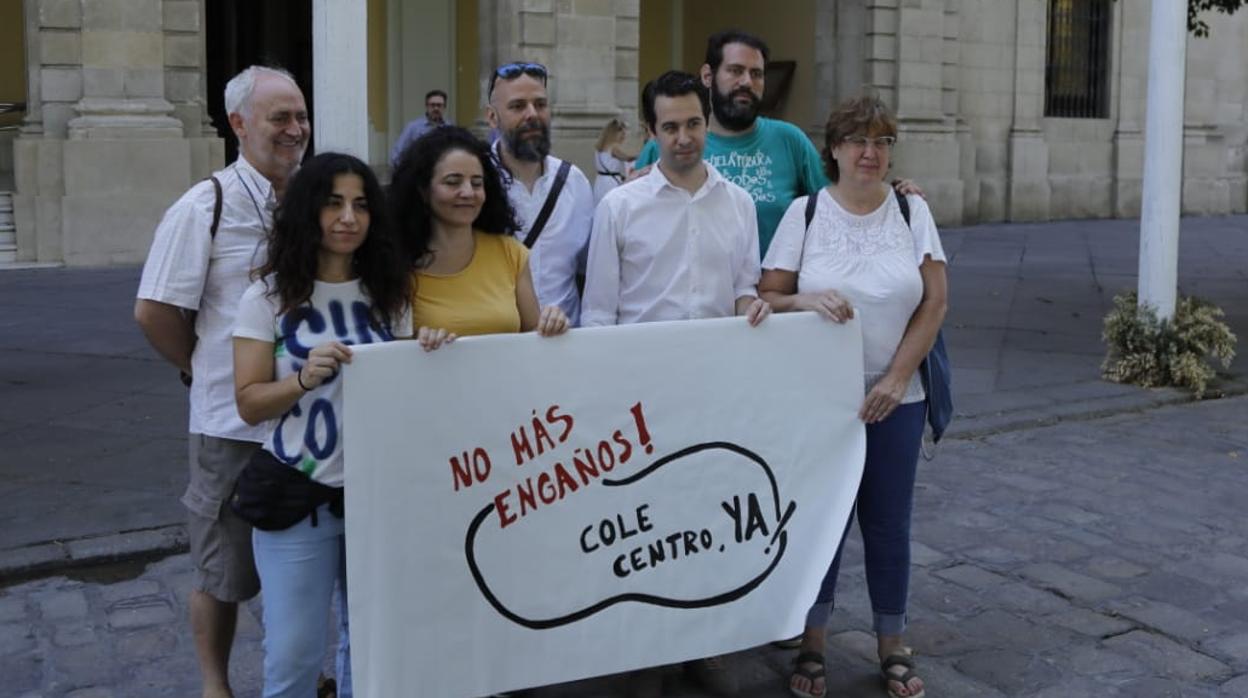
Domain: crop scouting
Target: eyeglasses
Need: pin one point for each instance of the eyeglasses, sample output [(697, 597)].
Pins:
[(511, 71), (881, 143)]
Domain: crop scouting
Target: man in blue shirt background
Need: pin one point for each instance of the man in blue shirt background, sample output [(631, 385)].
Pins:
[(435, 116)]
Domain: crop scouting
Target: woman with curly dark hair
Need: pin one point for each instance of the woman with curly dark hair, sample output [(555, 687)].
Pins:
[(335, 277), (471, 274)]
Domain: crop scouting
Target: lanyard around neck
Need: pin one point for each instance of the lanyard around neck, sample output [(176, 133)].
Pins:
[(254, 203)]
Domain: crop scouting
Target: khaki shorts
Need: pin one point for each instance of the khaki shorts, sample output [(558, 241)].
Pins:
[(220, 541)]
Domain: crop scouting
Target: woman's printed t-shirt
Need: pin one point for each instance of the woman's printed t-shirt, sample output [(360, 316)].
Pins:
[(309, 435), (775, 162), (479, 299), (873, 260)]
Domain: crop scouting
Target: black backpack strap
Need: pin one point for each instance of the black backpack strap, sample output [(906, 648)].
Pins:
[(903, 205), (547, 208), (216, 206), (811, 200)]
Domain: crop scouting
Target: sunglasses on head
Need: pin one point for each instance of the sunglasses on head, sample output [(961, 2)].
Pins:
[(511, 71)]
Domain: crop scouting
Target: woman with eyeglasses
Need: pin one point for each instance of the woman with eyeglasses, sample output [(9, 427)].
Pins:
[(471, 276), (859, 252)]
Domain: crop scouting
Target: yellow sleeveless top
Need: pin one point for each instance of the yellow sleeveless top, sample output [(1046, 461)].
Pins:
[(480, 299)]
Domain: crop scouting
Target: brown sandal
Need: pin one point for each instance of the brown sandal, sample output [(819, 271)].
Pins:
[(809, 674), (905, 660)]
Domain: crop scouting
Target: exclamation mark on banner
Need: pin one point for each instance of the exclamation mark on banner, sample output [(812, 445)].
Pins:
[(643, 434)]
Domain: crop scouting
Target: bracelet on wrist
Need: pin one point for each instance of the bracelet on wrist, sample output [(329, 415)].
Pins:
[(299, 379)]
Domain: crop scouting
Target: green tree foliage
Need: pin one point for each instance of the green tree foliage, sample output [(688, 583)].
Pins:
[(1196, 25)]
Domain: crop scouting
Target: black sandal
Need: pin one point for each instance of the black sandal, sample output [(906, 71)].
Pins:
[(811, 675), (904, 659)]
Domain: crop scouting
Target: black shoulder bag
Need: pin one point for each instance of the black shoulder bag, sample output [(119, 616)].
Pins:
[(548, 207), (212, 235)]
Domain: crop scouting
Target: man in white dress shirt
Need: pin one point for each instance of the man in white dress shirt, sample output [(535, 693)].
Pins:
[(520, 111), (681, 242), (196, 272)]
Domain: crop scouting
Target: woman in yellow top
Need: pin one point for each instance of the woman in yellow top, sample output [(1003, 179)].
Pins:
[(471, 274)]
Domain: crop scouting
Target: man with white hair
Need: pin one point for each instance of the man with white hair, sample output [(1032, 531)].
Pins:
[(197, 269)]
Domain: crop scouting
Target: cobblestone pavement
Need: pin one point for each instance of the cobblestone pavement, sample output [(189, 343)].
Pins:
[(1091, 558)]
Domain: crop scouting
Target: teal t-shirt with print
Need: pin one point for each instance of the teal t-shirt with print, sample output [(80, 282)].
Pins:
[(775, 163)]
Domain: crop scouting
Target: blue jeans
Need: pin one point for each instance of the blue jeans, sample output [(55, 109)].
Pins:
[(298, 569), (885, 499)]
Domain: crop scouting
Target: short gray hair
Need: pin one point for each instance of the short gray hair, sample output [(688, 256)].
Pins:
[(238, 90)]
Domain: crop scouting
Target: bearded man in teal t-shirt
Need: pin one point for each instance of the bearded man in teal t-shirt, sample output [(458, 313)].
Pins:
[(772, 160)]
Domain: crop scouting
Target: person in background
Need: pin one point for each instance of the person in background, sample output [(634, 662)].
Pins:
[(611, 161), (435, 116), (771, 159)]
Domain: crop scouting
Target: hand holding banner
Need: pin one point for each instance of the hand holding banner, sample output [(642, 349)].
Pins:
[(525, 510)]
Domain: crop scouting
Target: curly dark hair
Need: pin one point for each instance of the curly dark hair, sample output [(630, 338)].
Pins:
[(858, 116), (409, 190), (294, 243)]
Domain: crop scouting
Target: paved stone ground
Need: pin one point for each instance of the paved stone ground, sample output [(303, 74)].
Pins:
[(1092, 558)]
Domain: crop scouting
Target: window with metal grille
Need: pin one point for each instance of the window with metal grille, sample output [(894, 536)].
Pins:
[(1076, 71)]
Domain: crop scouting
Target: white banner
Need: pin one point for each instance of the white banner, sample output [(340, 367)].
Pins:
[(523, 511)]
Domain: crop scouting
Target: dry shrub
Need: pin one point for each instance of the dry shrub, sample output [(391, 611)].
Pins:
[(1149, 352)]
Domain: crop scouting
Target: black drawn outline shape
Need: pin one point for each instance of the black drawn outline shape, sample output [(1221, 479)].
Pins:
[(718, 599)]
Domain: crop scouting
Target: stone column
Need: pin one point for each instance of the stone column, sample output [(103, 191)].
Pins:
[(913, 66), (590, 48), (186, 78), (125, 158), (1215, 73), (37, 151), (104, 151), (1131, 68), (1029, 189)]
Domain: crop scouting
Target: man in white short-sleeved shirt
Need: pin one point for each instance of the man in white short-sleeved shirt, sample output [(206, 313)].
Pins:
[(187, 300), (520, 111)]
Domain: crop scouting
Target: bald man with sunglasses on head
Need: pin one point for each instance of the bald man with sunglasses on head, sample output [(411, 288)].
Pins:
[(552, 197)]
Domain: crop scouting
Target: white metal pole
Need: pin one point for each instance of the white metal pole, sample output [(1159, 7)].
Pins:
[(340, 76), (1163, 157)]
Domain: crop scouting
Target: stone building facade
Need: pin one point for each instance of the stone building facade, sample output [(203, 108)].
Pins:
[(114, 128), (117, 121)]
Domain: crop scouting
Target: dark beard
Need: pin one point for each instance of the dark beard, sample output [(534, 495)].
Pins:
[(731, 115), (530, 149)]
